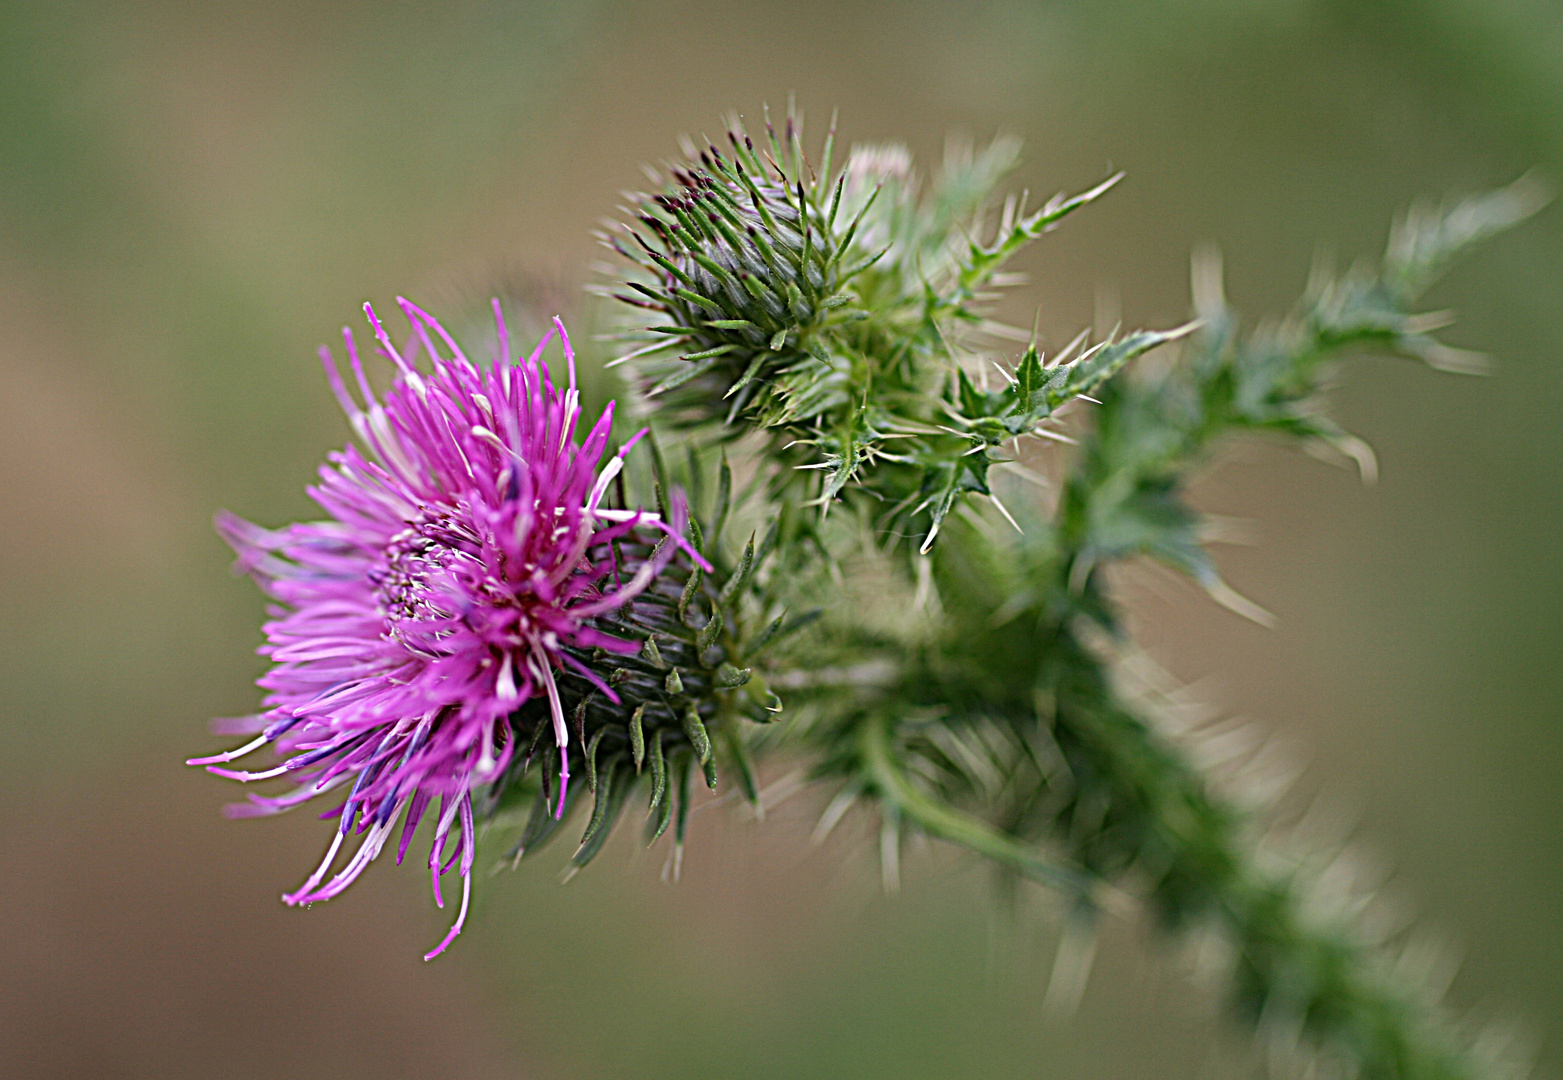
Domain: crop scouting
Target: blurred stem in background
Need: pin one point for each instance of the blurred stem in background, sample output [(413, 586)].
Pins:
[(989, 718)]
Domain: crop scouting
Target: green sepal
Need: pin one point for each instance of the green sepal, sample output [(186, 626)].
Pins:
[(695, 729), (696, 298), (795, 303), (591, 759), (740, 576), (638, 735), (651, 654), (683, 375), (729, 677), (662, 801), (710, 631), (858, 268), (682, 810), (739, 754), (659, 473), (659, 771), (531, 750), (749, 373), (691, 587), (846, 239), (724, 496), (605, 813), (779, 628), (542, 826)]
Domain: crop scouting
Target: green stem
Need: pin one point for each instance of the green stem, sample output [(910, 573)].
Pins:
[(937, 819)]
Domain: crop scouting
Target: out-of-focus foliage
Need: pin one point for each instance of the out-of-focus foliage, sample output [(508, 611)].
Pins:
[(970, 695)]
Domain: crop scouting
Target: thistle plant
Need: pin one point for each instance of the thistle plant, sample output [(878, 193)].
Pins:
[(502, 614)]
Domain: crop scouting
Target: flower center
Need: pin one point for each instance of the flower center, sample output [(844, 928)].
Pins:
[(420, 586)]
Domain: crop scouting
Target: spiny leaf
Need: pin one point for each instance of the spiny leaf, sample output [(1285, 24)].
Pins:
[(1424, 241)]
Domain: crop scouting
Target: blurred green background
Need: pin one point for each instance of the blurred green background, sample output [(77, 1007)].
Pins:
[(193, 196)]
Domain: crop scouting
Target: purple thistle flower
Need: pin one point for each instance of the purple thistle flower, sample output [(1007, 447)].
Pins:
[(464, 553)]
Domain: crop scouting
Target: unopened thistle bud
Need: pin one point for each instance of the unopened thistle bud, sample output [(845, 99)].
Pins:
[(745, 257), (840, 310)]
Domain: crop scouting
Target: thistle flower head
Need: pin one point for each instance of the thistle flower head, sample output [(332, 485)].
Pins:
[(468, 550)]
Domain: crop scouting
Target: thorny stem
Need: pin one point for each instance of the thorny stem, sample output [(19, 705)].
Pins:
[(947, 823)]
